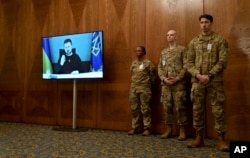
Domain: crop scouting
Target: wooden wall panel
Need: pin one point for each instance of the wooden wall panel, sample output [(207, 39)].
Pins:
[(233, 22), (115, 21), (113, 107), (11, 107), (11, 85)]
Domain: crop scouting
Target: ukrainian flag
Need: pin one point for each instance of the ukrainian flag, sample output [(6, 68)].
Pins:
[(47, 67), (96, 52)]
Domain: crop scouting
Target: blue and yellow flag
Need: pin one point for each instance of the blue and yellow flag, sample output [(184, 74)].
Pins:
[(47, 67), (96, 52)]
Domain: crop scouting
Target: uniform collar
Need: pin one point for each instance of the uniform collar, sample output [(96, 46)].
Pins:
[(206, 38)]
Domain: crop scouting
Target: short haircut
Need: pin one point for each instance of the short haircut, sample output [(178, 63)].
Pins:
[(143, 49), (207, 16), (67, 41)]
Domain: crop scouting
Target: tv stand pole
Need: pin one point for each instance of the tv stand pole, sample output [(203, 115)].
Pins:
[(74, 105), (74, 117)]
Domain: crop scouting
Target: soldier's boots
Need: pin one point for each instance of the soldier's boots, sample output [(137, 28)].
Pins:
[(182, 135), (222, 144), (167, 133), (146, 132), (198, 141), (133, 131)]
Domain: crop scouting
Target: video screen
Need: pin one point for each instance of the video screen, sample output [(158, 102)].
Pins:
[(73, 56)]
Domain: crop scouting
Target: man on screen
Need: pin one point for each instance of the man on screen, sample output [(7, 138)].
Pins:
[(69, 62)]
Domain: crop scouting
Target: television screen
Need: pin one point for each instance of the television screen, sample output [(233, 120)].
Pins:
[(73, 56)]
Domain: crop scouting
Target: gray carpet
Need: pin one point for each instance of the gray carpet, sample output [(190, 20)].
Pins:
[(29, 141)]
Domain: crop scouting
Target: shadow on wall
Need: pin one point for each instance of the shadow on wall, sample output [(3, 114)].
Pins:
[(237, 79)]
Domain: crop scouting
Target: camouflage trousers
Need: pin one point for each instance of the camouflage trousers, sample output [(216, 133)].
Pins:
[(140, 104), (216, 93), (174, 97)]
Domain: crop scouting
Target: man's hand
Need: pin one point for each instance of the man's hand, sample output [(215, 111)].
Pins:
[(63, 59), (203, 79), (75, 72), (170, 81)]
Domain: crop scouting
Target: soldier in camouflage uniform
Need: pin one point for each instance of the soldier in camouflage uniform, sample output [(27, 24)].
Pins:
[(173, 76), (206, 61), (140, 94)]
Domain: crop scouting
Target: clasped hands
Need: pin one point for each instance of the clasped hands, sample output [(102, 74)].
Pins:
[(203, 79), (170, 80)]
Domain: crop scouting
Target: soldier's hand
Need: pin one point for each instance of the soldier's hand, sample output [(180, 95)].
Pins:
[(203, 79), (173, 80), (170, 81), (167, 81)]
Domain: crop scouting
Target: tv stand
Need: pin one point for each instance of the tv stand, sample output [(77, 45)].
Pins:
[(74, 118)]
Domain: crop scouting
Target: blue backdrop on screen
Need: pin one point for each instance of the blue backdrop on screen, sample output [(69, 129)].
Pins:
[(78, 41)]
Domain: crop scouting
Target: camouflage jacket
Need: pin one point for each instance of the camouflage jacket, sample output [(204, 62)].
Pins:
[(142, 74), (207, 55), (172, 63)]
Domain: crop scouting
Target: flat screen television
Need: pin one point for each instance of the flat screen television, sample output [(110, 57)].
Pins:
[(73, 56)]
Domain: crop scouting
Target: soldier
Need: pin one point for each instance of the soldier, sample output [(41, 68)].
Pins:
[(207, 59), (173, 93), (140, 94)]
